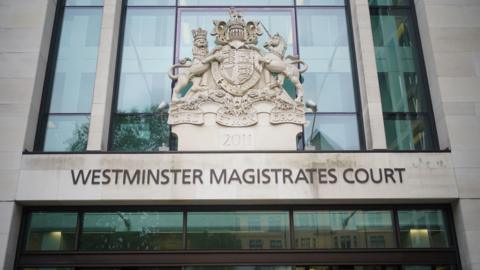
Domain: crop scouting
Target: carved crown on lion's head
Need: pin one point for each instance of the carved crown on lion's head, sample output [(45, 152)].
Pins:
[(199, 33), (236, 28)]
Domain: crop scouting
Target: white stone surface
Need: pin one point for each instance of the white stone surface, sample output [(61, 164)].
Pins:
[(450, 32), (48, 177), (368, 78), (25, 31)]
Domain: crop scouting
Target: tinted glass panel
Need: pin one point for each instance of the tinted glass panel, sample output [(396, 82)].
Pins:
[(348, 267), (132, 231), (230, 3), (408, 133), (423, 229), (67, 118), (67, 133), (151, 2), (328, 81), (77, 61), (320, 2), (138, 132), (389, 2), (146, 57), (343, 229), (238, 267), (48, 268), (51, 231), (403, 89), (238, 230), (84, 3), (332, 132), (428, 267)]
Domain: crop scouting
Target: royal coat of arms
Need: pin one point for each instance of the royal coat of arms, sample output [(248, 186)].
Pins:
[(236, 76)]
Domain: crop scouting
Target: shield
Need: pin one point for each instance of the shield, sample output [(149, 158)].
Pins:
[(237, 73)]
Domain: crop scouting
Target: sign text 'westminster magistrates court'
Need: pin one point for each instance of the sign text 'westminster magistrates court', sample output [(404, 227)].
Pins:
[(262, 176)]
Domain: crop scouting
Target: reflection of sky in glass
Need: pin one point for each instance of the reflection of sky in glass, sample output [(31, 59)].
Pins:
[(146, 57), (333, 132), (328, 80), (235, 2), (321, 2), (276, 21), (77, 61), (84, 3)]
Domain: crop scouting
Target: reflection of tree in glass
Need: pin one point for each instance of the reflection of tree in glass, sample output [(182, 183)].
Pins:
[(136, 131), (78, 142)]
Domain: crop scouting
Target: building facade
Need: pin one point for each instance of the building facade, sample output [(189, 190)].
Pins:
[(383, 176)]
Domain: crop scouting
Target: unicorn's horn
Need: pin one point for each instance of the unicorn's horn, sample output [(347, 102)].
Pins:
[(266, 30)]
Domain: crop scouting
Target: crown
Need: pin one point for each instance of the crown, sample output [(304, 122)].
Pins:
[(236, 25), (199, 33)]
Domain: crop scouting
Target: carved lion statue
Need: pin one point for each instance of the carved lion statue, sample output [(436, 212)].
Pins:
[(275, 62), (193, 70)]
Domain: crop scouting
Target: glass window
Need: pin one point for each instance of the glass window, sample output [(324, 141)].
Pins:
[(65, 122), (230, 3), (329, 79), (148, 47), (343, 229), (84, 3), (408, 132), (49, 268), (423, 229), (389, 2), (239, 267), (146, 57), (320, 2), (151, 2), (67, 133), (51, 231), (132, 231), (237, 230), (428, 267), (332, 132), (403, 87)]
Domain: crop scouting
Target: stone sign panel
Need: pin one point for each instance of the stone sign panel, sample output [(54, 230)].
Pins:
[(236, 176)]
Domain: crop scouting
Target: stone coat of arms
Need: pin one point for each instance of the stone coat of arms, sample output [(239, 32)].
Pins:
[(237, 78)]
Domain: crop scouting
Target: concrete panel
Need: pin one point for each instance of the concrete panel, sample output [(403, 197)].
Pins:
[(18, 65), (455, 64), (468, 182), (49, 177), (10, 216), (8, 184), (464, 132)]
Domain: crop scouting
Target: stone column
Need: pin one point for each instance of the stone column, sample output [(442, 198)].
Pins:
[(25, 33), (367, 75), (450, 34), (105, 77)]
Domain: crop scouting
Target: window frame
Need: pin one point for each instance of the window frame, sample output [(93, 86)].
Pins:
[(293, 256), (47, 90), (410, 7), (294, 7)]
